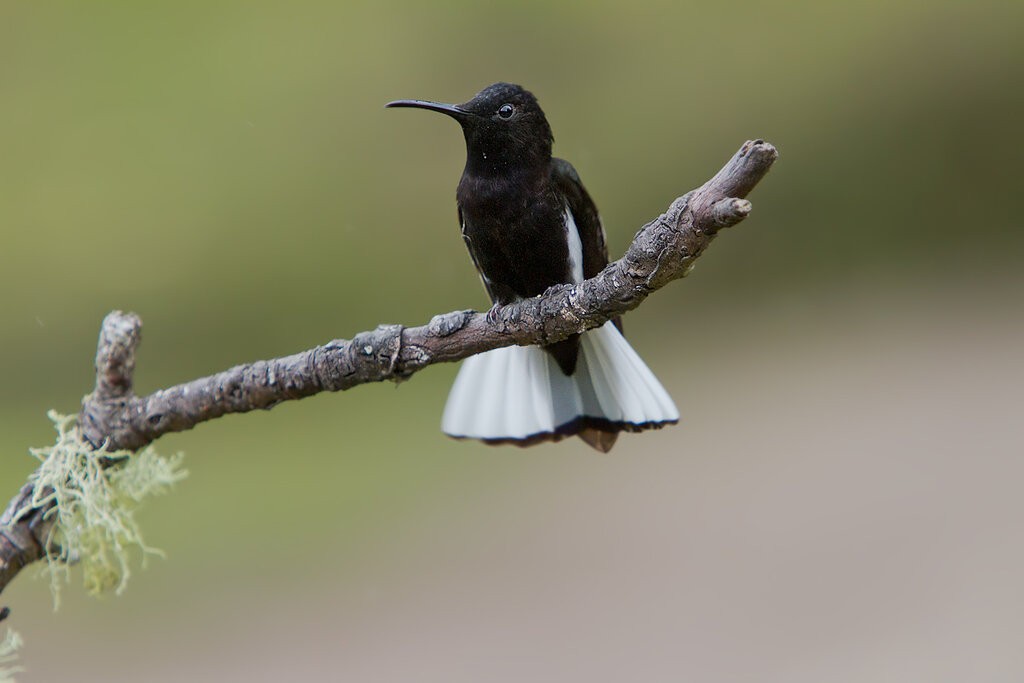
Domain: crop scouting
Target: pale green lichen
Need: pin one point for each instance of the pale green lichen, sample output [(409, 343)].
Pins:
[(95, 495), (8, 656)]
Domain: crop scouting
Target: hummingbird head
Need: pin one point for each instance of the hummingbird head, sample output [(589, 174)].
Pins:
[(504, 126)]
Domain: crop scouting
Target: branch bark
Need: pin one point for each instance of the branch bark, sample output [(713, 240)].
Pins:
[(113, 416)]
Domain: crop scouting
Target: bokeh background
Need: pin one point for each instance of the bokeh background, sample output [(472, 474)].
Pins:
[(842, 499)]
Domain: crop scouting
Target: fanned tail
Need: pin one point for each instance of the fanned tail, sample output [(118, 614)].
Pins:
[(518, 395)]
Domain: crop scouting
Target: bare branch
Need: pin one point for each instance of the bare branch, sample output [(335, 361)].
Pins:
[(662, 251)]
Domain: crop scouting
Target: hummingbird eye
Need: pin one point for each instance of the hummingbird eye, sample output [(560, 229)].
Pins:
[(506, 111)]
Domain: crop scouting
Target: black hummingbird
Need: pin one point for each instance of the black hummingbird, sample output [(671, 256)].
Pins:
[(529, 224)]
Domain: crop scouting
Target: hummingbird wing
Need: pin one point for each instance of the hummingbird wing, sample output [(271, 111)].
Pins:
[(472, 254), (499, 292), (584, 213), (588, 221)]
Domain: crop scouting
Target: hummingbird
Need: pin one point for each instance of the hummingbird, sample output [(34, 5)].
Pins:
[(529, 224)]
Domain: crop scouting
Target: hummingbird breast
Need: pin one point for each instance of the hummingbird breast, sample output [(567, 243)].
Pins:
[(517, 235)]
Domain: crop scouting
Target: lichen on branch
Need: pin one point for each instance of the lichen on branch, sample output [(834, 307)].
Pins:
[(9, 647), (92, 495)]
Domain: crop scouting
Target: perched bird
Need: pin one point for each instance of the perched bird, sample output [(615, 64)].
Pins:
[(529, 224)]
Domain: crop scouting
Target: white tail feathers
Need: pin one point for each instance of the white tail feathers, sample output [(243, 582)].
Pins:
[(519, 394)]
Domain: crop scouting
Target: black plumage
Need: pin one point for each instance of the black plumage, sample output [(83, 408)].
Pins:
[(514, 199)]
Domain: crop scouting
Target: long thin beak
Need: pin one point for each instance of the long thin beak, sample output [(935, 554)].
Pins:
[(450, 109)]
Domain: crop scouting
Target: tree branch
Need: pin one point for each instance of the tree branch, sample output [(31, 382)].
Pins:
[(113, 416)]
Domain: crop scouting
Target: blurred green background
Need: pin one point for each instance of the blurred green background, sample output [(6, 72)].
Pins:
[(838, 503)]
